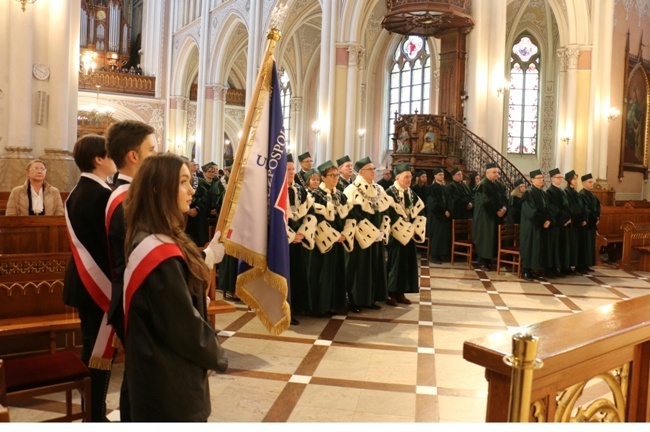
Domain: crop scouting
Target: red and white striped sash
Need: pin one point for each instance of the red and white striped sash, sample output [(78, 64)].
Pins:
[(117, 196), (153, 250), (99, 287)]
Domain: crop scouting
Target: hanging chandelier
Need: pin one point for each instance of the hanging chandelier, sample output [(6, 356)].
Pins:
[(24, 3), (426, 17)]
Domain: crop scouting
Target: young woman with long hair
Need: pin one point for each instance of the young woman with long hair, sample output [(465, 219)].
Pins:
[(170, 345)]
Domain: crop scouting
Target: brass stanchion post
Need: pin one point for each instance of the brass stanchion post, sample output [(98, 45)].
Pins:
[(523, 362)]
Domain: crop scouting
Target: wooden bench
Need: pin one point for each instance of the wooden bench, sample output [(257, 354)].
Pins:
[(636, 246), (610, 233), (31, 303), (33, 234), (609, 345)]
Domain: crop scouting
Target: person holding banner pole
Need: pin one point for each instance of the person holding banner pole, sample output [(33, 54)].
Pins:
[(87, 283), (169, 344)]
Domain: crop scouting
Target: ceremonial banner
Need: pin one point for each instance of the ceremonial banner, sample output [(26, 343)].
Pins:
[(255, 229)]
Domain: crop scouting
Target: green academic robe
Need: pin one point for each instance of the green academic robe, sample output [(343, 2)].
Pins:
[(326, 290), (366, 268), (403, 266)]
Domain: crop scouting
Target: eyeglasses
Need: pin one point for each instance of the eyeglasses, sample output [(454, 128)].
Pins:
[(331, 175), (368, 169), (37, 169)]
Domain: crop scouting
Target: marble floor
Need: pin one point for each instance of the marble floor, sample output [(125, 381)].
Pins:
[(397, 364)]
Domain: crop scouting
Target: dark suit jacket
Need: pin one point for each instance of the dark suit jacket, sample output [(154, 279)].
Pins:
[(85, 206)]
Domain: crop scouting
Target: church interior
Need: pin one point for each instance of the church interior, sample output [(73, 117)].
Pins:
[(525, 84)]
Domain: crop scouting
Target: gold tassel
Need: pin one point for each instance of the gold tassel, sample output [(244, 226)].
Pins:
[(100, 363)]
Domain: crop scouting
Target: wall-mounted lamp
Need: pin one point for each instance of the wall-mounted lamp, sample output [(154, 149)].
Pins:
[(315, 127), (361, 133), (565, 140), (503, 89), (23, 3), (613, 114)]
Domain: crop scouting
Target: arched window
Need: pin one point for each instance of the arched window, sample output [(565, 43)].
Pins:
[(523, 105), (410, 80), (285, 95)]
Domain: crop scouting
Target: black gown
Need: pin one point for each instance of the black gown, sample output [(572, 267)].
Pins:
[(326, 289), (587, 255), (459, 197), (300, 202), (366, 268), (559, 252), (578, 216), (439, 225), (403, 266), (488, 200), (534, 239)]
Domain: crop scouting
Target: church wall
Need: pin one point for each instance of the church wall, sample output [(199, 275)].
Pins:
[(632, 16)]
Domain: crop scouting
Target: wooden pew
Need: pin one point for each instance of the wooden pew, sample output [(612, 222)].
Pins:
[(575, 349), (34, 253), (31, 303), (636, 246), (610, 233), (33, 234)]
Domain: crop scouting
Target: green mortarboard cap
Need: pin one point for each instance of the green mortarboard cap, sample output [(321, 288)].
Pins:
[(586, 177), (324, 166), (344, 159), (401, 168), (535, 173), (554, 172), (361, 163), (437, 171), (568, 176), (309, 173), (519, 182), (490, 165), (303, 156), (454, 171), (289, 157)]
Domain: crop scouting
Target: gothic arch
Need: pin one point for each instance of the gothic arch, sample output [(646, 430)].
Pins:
[(221, 60), (184, 70)]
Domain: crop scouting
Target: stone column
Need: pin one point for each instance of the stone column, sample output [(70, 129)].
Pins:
[(560, 146), (356, 62), (215, 152), (297, 123), (178, 124), (571, 54)]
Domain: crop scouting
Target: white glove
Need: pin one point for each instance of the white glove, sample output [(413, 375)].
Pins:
[(380, 237), (215, 251)]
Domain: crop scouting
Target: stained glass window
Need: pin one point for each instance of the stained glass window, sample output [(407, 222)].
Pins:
[(410, 81), (523, 103), (285, 95)]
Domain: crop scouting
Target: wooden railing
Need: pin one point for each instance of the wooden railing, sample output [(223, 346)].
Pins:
[(596, 366), (114, 82), (475, 153)]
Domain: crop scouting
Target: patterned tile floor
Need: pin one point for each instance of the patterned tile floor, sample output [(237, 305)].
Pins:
[(397, 364)]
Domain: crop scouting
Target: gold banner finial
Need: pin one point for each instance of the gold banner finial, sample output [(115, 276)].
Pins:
[(277, 18)]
